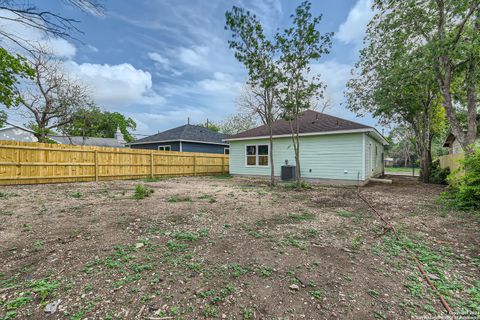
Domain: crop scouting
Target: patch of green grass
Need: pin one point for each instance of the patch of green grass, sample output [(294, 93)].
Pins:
[(44, 288), (210, 311), (27, 227), (76, 195), (317, 294), (373, 293), (344, 214), (142, 192), (179, 199), (38, 245), (247, 314), (357, 242), (222, 176)]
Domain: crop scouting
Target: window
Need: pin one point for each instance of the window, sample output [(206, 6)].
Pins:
[(226, 150), (164, 148), (256, 155)]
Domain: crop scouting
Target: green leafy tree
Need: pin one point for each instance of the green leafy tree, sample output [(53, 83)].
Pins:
[(257, 53), (299, 45), (392, 83), (448, 32), (94, 122), (12, 69), (211, 125)]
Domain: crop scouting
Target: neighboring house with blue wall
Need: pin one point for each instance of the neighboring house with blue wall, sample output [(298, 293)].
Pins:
[(186, 138), (332, 150)]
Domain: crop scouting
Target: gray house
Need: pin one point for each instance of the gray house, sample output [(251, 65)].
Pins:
[(18, 133), (186, 138)]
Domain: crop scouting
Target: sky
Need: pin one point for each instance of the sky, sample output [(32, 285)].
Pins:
[(164, 61)]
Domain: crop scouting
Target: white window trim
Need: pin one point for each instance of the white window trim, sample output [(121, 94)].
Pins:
[(225, 149), (164, 146), (257, 155)]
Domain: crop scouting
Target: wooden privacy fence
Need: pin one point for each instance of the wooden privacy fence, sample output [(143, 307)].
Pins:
[(32, 163), (451, 161)]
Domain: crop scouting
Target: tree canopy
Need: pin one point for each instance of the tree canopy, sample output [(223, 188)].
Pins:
[(94, 122)]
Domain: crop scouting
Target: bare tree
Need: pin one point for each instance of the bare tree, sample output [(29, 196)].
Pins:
[(27, 15), (52, 97)]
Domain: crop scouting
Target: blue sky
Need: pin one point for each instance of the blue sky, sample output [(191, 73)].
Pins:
[(165, 60)]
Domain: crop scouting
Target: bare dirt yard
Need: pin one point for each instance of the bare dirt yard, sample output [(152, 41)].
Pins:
[(232, 248)]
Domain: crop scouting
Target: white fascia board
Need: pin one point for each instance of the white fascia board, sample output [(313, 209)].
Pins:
[(313, 134)]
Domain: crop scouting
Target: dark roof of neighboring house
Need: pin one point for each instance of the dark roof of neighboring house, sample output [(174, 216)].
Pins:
[(310, 122), (186, 132), (88, 141)]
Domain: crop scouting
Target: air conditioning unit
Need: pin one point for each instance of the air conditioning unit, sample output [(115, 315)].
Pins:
[(288, 173)]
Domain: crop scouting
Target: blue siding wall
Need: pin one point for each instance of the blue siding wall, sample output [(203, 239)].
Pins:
[(202, 147), (154, 146), (186, 147)]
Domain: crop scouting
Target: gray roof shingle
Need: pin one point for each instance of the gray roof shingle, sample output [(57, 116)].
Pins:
[(310, 122), (186, 132), (88, 141)]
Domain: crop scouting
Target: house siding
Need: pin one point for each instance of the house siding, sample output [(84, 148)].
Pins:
[(373, 157), (186, 147), (336, 156)]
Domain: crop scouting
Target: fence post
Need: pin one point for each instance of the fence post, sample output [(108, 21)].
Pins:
[(223, 164), (96, 165), (151, 165), (194, 165)]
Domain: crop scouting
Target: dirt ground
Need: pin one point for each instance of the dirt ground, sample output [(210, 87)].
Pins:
[(232, 248)]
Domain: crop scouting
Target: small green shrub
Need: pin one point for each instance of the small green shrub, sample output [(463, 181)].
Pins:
[(141, 192), (437, 174), (179, 199), (464, 190)]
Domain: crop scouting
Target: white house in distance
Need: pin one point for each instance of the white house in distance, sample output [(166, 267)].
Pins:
[(332, 150), (18, 133)]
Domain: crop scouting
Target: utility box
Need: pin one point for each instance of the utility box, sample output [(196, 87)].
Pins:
[(288, 173)]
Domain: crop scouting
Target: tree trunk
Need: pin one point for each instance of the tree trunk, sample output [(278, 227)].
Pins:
[(272, 166)]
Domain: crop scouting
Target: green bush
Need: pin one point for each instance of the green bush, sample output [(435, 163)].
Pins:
[(437, 174), (142, 192), (465, 187)]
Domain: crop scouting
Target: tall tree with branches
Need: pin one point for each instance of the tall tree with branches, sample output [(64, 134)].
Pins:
[(52, 97), (299, 45), (257, 53), (449, 31)]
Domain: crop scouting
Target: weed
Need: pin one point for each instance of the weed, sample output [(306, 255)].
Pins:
[(76, 195), (142, 192), (223, 176), (27, 227), (344, 214), (317, 294), (38, 245), (357, 242), (373, 293), (179, 199), (44, 288), (247, 314), (210, 311)]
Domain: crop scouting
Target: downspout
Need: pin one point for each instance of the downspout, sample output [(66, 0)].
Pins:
[(181, 147), (363, 157)]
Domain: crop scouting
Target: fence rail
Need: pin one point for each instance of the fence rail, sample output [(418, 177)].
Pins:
[(33, 163)]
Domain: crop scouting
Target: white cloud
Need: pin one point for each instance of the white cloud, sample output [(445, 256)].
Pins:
[(221, 83), (353, 29), (163, 63), (335, 75), (196, 56), (116, 85)]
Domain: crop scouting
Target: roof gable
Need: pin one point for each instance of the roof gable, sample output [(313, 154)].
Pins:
[(185, 132), (310, 122)]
